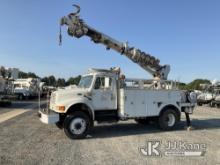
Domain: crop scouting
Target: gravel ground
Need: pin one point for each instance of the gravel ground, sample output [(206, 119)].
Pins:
[(24, 140)]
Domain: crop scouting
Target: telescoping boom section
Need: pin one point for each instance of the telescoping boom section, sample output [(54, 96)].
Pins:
[(78, 28)]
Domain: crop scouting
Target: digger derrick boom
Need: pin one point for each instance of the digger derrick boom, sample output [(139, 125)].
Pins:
[(77, 28)]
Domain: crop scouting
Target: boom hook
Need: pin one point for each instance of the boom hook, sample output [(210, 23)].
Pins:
[(77, 10)]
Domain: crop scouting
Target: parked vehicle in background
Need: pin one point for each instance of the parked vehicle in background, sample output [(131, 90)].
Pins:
[(216, 102), (216, 98), (198, 92), (204, 98), (2, 85), (26, 88), (7, 76), (2, 89), (210, 94)]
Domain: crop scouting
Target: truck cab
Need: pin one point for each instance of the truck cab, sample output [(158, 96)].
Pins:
[(103, 96)]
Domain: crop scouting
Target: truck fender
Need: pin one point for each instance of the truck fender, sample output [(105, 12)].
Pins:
[(173, 106), (74, 107)]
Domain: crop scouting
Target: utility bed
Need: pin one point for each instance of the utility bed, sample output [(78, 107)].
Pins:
[(144, 102)]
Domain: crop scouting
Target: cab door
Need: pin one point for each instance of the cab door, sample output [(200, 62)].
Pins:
[(104, 94)]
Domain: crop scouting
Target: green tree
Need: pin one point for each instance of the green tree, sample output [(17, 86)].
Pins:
[(32, 75), (181, 85), (73, 80), (60, 82), (27, 75), (22, 75), (3, 71), (195, 85), (51, 80), (45, 80)]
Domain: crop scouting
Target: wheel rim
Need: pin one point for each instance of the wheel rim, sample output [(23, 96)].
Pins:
[(78, 126), (170, 120)]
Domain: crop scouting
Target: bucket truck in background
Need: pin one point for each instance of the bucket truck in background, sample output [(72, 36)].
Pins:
[(7, 76), (26, 88)]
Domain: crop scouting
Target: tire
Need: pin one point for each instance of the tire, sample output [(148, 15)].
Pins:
[(142, 121), (168, 119), (77, 125)]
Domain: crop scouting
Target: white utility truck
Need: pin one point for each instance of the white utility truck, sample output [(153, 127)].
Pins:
[(216, 101), (26, 88), (2, 90), (107, 96), (2, 84), (209, 95), (2, 87), (7, 75)]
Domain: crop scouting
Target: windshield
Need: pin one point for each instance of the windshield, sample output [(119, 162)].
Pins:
[(85, 82)]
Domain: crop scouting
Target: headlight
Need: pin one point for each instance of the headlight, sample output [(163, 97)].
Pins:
[(61, 108)]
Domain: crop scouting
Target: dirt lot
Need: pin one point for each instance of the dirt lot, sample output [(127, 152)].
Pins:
[(24, 140)]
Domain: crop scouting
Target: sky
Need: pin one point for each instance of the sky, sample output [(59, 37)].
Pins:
[(184, 34)]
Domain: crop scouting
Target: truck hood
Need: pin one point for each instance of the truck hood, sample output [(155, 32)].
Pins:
[(66, 94)]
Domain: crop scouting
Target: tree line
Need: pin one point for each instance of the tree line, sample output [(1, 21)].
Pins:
[(61, 82), (51, 80), (194, 85)]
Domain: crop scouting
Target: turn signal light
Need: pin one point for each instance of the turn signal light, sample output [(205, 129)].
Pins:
[(61, 108)]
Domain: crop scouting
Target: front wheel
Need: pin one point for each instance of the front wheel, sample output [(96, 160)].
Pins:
[(77, 125), (168, 119)]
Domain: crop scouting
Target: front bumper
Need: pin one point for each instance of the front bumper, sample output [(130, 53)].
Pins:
[(48, 116)]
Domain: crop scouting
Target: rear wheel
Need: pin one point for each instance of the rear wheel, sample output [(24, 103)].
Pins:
[(168, 119), (77, 125)]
